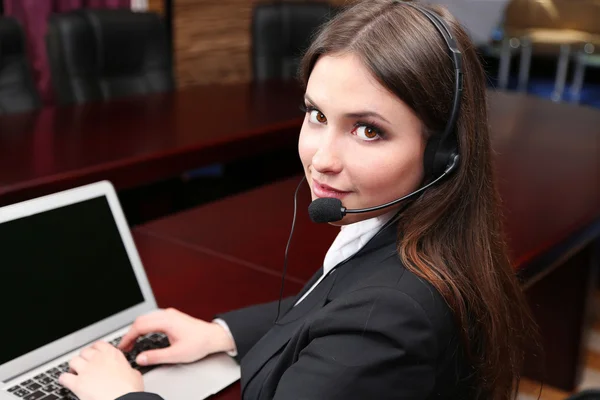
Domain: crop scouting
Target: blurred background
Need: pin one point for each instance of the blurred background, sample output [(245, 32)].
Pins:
[(543, 47)]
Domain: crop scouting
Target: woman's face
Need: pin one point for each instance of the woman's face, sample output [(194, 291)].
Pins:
[(358, 142)]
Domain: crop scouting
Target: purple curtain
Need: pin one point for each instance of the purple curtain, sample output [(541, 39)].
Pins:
[(33, 15)]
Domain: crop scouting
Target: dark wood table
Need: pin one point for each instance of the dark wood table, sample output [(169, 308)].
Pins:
[(142, 140), (548, 163), (253, 228), (202, 284)]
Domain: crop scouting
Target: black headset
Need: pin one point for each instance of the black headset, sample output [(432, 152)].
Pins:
[(441, 152)]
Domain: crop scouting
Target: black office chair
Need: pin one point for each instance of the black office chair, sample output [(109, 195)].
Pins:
[(17, 89), (105, 54), (280, 33)]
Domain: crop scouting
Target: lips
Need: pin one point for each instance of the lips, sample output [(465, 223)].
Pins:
[(321, 190)]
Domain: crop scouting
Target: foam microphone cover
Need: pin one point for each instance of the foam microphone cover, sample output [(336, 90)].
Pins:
[(325, 209)]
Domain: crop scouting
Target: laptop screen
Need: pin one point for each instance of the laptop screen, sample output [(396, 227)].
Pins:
[(60, 271)]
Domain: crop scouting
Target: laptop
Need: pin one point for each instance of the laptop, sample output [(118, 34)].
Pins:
[(70, 276)]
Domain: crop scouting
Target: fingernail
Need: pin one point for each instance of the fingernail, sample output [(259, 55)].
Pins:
[(141, 359)]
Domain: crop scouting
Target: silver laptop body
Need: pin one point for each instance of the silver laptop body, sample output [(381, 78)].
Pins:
[(71, 275)]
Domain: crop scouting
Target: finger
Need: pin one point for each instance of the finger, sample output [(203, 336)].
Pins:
[(148, 323), (68, 380), (77, 364), (103, 347), (88, 353), (169, 355)]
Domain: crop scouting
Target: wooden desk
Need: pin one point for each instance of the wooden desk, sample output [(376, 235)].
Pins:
[(253, 228), (202, 285), (548, 163), (141, 140)]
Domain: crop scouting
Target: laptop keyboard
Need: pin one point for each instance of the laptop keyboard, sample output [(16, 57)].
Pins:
[(46, 387)]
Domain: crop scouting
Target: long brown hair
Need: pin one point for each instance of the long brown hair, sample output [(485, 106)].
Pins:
[(452, 235)]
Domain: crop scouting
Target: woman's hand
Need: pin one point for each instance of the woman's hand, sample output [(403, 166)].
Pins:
[(191, 339), (103, 373)]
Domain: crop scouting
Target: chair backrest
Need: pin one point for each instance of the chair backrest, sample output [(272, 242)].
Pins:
[(17, 89), (106, 54), (280, 33)]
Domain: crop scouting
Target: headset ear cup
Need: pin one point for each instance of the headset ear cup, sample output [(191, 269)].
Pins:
[(437, 158)]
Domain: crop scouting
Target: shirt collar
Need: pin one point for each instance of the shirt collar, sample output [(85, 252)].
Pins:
[(352, 238)]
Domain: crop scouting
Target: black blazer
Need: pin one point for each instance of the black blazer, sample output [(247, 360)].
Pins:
[(370, 330)]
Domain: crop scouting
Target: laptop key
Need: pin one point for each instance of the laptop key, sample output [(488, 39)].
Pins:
[(50, 388), (13, 389), (35, 395), (27, 382), (34, 386), (50, 397), (144, 369), (46, 380), (145, 346), (40, 376), (21, 392), (55, 375)]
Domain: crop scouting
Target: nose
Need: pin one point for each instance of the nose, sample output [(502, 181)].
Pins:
[(326, 159)]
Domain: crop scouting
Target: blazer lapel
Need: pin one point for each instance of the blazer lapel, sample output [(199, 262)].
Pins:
[(309, 284), (280, 334), (283, 330)]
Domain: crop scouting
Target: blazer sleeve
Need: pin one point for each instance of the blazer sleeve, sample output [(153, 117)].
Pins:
[(249, 324), (371, 343)]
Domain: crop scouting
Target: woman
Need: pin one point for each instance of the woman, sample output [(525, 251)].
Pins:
[(415, 301)]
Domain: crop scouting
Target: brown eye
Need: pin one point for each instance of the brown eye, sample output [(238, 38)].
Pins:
[(317, 117), (366, 133), (370, 133)]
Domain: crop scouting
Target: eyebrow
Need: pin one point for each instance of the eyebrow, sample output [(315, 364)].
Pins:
[(360, 114)]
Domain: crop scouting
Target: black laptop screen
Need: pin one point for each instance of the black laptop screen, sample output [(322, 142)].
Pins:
[(60, 271)]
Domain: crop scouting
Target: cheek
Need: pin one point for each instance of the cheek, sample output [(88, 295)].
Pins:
[(307, 146), (390, 174)]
